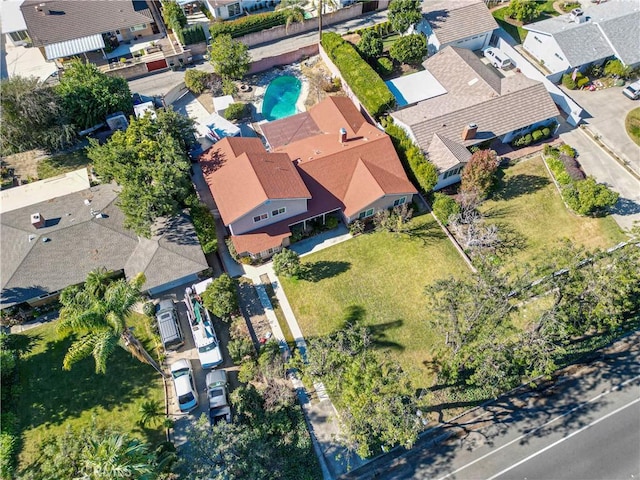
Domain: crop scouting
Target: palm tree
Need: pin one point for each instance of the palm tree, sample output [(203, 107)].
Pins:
[(150, 412), (97, 312), (117, 457), (293, 11)]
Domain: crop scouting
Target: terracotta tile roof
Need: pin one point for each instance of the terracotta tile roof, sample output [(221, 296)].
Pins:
[(242, 175), (62, 20), (289, 129)]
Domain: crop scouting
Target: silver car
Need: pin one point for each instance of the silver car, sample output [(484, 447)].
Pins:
[(632, 91)]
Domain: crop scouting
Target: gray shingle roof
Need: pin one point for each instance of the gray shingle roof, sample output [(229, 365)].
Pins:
[(612, 28), (445, 153), (62, 20), (455, 20), (515, 103), (79, 242)]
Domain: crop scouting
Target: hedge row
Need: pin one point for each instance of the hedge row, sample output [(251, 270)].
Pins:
[(420, 170), (586, 197), (191, 35), (250, 23), (533, 137), (383, 29), (365, 83), (205, 227)]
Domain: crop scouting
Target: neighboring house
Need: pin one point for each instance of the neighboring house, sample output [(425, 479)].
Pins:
[(62, 28), (328, 161), (466, 103), (55, 231), (459, 23), (13, 25), (579, 39), (225, 9)]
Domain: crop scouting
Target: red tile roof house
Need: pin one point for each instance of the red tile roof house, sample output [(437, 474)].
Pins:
[(325, 161)]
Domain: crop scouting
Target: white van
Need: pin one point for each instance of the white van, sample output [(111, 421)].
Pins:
[(497, 58), (169, 324)]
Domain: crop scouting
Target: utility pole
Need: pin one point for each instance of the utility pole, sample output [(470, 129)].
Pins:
[(320, 8)]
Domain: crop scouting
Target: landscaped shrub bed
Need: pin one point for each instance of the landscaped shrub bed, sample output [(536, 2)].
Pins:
[(571, 84), (250, 24), (533, 137), (361, 78), (191, 35), (583, 195), (236, 111), (418, 168), (205, 227)]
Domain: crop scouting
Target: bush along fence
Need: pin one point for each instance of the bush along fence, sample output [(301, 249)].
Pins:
[(533, 137), (419, 170), (191, 35), (365, 83), (251, 23), (581, 194)]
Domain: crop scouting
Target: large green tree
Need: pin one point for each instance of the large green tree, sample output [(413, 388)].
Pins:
[(479, 174), (404, 14), (88, 95), (173, 15), (33, 116), (370, 44), (524, 10), (230, 58), (96, 313), (221, 296), (411, 49), (287, 263), (149, 161)]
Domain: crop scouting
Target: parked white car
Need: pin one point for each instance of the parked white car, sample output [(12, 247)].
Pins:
[(497, 58), (182, 375), (632, 90)]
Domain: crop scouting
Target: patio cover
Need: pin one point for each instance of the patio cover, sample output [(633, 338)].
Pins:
[(73, 47)]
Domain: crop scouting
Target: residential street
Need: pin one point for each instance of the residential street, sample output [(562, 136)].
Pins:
[(585, 426)]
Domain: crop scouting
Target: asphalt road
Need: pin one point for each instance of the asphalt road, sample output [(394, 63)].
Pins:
[(585, 426)]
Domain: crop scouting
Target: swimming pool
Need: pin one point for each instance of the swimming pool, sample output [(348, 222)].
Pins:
[(281, 97)]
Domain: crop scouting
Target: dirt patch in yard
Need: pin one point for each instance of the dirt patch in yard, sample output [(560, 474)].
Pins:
[(25, 164), (319, 77)]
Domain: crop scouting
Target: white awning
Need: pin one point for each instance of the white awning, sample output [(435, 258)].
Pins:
[(73, 47)]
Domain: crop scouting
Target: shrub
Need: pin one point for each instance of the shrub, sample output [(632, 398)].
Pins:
[(190, 35), (615, 68), (241, 348), (236, 111), (356, 227), (581, 80), (370, 44), (421, 171), (221, 297), (332, 222), (173, 16), (587, 197), (287, 263), (568, 150), (248, 371), (479, 173), (149, 309), (409, 49), (229, 87), (546, 132), (528, 138), (196, 80), (384, 66), (444, 207), (250, 24), (568, 82), (523, 10), (537, 135), (365, 83), (205, 227)]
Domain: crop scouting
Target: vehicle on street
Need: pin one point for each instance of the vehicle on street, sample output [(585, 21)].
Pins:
[(169, 324), (632, 90), (201, 325), (182, 375), (218, 395), (497, 58)]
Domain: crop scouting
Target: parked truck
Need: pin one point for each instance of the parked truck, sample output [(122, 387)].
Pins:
[(218, 395)]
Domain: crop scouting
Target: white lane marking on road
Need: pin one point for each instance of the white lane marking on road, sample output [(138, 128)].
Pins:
[(568, 412), (610, 414)]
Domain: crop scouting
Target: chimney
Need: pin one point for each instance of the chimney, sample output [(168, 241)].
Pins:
[(469, 131), (577, 16), (41, 9), (37, 220), (343, 135)]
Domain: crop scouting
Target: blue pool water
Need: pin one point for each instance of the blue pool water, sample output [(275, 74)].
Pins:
[(281, 97)]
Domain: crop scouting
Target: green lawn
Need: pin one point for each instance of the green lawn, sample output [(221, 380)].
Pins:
[(378, 278), (51, 399), (62, 163), (514, 28), (632, 124), (528, 205)]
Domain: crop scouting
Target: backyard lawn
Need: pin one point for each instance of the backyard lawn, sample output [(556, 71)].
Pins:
[(529, 206), (379, 279), (62, 163), (52, 399), (514, 28)]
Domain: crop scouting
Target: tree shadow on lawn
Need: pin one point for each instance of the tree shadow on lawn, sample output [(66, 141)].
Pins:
[(51, 395), (427, 232), (355, 314), (518, 185), (316, 271)]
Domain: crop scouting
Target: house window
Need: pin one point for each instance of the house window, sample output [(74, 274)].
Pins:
[(259, 218), (234, 9), (365, 214), (559, 57), (19, 36), (137, 28), (537, 39), (279, 211), (399, 201)]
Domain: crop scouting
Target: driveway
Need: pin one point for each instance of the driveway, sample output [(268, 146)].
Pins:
[(605, 112)]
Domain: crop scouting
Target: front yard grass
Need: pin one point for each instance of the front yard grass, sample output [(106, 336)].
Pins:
[(52, 399), (378, 279), (517, 32), (632, 124), (62, 163), (528, 205)]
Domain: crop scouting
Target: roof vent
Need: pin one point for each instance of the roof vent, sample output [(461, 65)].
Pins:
[(577, 16), (37, 220), (343, 135), (469, 131)]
